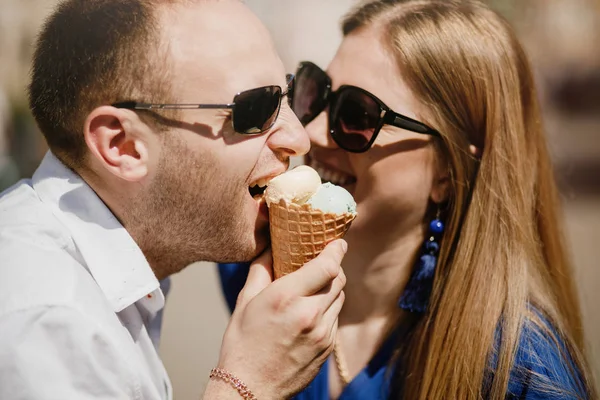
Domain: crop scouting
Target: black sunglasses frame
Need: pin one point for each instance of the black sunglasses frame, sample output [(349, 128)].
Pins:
[(387, 116), (134, 105)]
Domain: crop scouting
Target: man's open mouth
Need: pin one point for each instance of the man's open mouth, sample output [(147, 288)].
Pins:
[(257, 188)]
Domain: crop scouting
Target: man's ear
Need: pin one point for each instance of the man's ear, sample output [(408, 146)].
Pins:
[(115, 137)]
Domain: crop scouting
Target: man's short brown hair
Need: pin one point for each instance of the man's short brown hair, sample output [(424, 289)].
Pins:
[(92, 53)]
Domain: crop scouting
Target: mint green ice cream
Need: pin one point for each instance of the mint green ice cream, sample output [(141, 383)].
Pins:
[(333, 199)]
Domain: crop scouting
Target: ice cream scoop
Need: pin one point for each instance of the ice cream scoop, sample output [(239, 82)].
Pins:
[(330, 198), (294, 186)]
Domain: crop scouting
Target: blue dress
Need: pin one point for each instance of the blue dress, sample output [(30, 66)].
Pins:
[(538, 362)]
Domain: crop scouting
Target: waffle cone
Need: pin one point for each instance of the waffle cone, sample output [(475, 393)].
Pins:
[(299, 234)]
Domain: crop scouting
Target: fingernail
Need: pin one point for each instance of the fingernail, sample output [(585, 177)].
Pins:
[(344, 245)]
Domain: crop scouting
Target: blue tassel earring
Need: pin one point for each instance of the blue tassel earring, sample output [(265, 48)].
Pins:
[(415, 297)]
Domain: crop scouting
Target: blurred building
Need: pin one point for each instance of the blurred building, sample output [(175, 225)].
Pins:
[(20, 21)]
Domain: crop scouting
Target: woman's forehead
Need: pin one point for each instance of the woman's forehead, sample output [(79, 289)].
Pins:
[(363, 60)]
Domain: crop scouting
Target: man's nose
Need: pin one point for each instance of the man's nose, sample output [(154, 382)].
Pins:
[(288, 137)]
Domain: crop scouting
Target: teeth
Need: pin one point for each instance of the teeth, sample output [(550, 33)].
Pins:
[(335, 177), (261, 182)]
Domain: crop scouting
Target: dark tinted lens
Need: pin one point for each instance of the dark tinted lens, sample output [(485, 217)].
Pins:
[(309, 92), (256, 110), (353, 119), (291, 80)]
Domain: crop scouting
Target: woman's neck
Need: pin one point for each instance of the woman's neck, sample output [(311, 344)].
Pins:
[(378, 268)]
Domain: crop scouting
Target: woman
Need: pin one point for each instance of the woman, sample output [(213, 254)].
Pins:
[(459, 286)]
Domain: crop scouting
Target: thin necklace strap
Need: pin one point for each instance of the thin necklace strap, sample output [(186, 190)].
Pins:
[(340, 362)]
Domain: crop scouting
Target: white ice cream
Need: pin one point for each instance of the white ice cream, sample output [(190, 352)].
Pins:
[(293, 186), (303, 185), (333, 199)]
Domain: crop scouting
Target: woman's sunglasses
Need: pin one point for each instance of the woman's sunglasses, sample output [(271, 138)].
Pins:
[(355, 115), (253, 111)]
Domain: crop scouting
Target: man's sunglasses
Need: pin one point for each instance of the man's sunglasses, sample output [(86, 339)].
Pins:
[(355, 115), (253, 111)]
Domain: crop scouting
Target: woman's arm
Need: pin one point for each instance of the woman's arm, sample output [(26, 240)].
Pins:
[(233, 278)]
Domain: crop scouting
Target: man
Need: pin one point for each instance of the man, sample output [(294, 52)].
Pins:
[(132, 193)]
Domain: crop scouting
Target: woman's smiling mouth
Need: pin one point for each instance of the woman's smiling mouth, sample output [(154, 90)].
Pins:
[(329, 174)]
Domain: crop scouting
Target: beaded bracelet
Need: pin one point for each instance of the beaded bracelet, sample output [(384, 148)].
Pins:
[(218, 373)]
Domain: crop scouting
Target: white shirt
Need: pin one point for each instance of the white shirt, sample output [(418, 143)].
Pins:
[(76, 294)]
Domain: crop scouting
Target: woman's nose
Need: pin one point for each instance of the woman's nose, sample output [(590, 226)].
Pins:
[(318, 132)]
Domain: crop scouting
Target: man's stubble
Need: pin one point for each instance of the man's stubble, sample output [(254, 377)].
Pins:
[(192, 211)]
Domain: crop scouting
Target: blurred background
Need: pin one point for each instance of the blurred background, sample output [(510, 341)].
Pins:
[(562, 38)]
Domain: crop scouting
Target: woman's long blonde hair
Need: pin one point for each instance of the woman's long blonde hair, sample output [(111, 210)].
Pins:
[(503, 262)]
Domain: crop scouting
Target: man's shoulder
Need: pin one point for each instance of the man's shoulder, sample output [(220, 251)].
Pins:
[(31, 277), (24, 217), (38, 277), (40, 265), (23, 213), (16, 194)]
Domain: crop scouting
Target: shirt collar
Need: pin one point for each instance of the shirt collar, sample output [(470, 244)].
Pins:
[(111, 255)]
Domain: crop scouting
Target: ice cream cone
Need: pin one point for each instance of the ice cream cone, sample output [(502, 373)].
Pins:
[(299, 234)]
